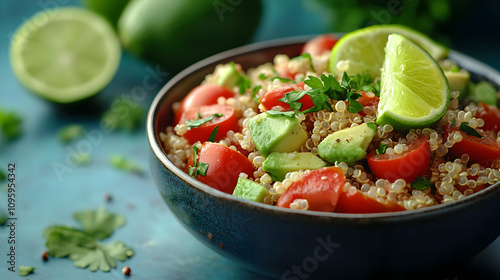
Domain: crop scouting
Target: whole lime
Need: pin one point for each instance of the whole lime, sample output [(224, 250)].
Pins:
[(175, 34), (109, 9)]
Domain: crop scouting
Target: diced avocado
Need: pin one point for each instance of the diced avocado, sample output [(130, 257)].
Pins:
[(347, 145), (279, 164), (458, 81), (250, 190), (276, 133), (229, 76)]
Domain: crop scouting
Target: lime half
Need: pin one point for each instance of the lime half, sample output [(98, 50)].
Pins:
[(414, 91), (362, 50), (65, 55)]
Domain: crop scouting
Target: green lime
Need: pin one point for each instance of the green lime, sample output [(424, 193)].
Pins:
[(414, 91), (176, 34), (109, 9), (363, 50), (65, 55)]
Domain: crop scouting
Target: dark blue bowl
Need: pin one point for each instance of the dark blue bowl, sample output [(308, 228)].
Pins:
[(302, 245)]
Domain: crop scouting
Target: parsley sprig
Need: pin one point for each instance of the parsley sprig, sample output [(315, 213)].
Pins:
[(327, 88), (464, 126)]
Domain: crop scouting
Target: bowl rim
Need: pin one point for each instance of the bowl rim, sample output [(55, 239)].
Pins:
[(466, 62)]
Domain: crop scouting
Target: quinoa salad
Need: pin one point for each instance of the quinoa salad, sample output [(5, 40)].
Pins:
[(293, 134)]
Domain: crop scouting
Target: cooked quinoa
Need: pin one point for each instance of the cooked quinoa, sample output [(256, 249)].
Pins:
[(446, 175)]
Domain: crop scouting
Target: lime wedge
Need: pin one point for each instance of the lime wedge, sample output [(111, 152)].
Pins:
[(65, 55), (414, 91), (362, 50)]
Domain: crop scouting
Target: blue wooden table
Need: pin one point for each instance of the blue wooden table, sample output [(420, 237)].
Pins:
[(46, 195)]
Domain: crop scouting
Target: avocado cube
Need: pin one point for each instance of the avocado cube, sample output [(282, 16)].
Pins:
[(279, 164), (458, 81), (229, 76), (276, 133), (248, 189), (347, 145)]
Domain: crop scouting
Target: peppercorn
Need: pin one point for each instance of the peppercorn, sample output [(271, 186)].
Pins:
[(126, 270)]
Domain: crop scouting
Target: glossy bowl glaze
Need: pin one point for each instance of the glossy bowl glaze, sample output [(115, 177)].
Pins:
[(292, 244)]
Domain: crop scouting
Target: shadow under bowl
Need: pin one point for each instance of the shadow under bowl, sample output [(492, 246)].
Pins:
[(294, 244)]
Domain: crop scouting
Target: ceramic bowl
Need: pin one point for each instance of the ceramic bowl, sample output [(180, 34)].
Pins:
[(291, 244)]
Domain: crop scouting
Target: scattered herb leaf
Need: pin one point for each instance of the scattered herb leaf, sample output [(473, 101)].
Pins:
[(381, 149), (421, 183), (289, 114), (192, 169), (202, 168), (82, 245), (283, 80), (199, 121), (25, 270), (100, 223), (255, 90), (213, 135), (453, 121), (124, 113), (10, 124), (276, 74), (464, 126), (71, 132), (263, 76), (122, 163)]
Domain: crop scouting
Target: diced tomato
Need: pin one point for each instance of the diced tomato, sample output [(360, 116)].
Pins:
[(490, 115), (224, 166), (321, 187), (354, 201), (408, 165), (200, 96), (320, 45), (480, 150), (227, 122), (367, 99), (271, 98)]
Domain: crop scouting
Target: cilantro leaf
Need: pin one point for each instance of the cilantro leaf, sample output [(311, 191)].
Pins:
[(262, 76), (284, 80), (199, 121), (289, 114), (71, 132), (99, 224), (421, 183), (123, 114), (82, 245), (10, 125), (202, 168), (25, 270), (372, 126), (381, 149), (314, 82), (453, 121), (464, 126)]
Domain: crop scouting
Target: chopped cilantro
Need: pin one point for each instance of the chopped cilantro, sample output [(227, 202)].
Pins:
[(202, 168), (198, 167), (283, 80), (289, 114), (71, 132), (83, 246), (199, 121), (241, 81), (372, 126), (263, 76), (212, 136), (381, 149), (122, 163), (10, 125), (421, 183), (25, 270), (124, 113), (453, 122), (254, 93), (464, 126)]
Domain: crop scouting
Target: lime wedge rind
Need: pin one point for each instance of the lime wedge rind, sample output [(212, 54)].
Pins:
[(39, 47), (411, 101)]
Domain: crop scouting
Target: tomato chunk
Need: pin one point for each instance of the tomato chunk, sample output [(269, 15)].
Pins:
[(490, 115), (321, 187), (228, 121), (480, 150), (354, 201), (271, 98), (200, 96), (408, 165), (320, 45), (224, 166)]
